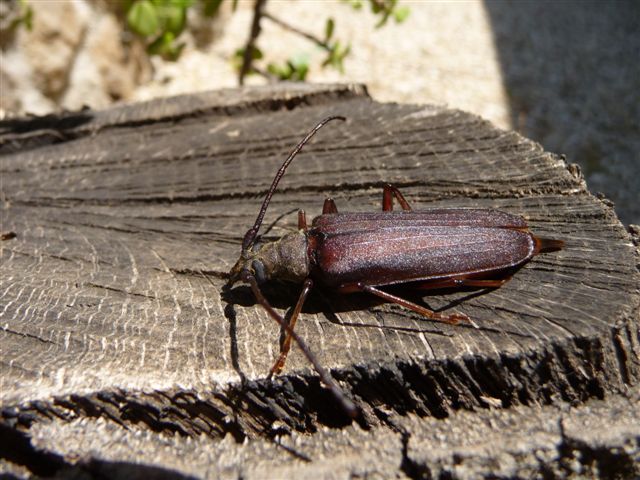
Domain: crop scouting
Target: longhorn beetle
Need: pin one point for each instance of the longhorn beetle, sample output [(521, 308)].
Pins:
[(361, 252)]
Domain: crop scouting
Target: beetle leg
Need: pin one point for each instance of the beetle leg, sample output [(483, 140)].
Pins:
[(388, 192), (329, 206), (302, 220), (486, 283), (286, 344), (347, 405), (463, 282), (453, 319)]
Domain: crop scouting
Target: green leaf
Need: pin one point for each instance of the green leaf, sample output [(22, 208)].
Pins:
[(256, 53), (336, 56), (211, 7), (173, 3), (161, 45), (300, 66), (340, 58), (295, 69), (375, 6), (355, 4), (283, 72), (400, 14), (27, 18), (173, 18), (300, 73), (143, 18), (176, 51), (328, 29), (238, 57), (385, 9), (166, 46), (300, 59), (328, 61), (383, 20)]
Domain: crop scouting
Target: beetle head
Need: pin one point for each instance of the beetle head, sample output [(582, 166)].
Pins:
[(249, 263)]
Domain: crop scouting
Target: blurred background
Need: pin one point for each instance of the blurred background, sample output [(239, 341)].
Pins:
[(565, 74)]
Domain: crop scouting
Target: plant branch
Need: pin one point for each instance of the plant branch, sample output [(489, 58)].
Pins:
[(302, 33), (264, 73), (247, 57)]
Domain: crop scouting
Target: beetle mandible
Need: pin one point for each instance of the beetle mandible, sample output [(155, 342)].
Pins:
[(361, 252)]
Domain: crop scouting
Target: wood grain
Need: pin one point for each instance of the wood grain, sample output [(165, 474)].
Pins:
[(126, 222)]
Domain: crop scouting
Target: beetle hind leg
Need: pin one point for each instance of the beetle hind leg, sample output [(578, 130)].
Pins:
[(462, 282), (388, 192), (452, 319)]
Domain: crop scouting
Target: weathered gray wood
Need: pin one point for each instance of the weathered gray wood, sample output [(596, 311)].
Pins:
[(595, 440), (106, 316)]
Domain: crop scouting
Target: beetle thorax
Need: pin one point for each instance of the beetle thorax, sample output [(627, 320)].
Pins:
[(285, 259)]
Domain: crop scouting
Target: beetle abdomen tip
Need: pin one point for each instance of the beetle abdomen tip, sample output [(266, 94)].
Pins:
[(544, 245)]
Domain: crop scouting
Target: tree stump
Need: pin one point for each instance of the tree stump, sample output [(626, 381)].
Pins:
[(122, 356)]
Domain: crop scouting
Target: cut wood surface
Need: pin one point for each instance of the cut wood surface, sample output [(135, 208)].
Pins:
[(114, 323)]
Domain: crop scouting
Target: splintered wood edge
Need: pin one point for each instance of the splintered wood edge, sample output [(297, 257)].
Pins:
[(31, 132), (598, 438)]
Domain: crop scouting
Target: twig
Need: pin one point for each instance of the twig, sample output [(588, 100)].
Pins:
[(264, 73), (293, 29), (247, 57)]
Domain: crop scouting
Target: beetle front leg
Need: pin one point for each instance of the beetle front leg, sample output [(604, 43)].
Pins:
[(452, 319), (388, 192), (347, 405), (286, 344)]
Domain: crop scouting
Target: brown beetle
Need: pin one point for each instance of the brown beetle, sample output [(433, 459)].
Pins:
[(351, 252)]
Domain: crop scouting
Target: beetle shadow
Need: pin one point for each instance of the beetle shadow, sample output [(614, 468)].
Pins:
[(283, 296), (360, 301), (230, 315), (462, 295)]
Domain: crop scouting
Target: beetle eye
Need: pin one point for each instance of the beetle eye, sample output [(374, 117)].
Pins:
[(258, 271)]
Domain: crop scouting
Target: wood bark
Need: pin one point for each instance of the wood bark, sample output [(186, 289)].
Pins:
[(121, 354)]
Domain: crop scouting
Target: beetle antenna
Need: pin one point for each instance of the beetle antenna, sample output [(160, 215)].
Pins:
[(251, 234)]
